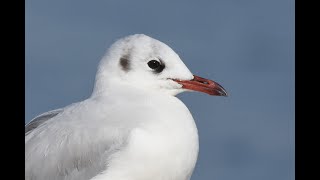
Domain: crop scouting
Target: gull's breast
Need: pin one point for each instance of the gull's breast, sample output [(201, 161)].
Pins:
[(164, 146)]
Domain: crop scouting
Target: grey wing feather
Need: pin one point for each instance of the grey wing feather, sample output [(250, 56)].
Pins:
[(37, 121), (57, 147)]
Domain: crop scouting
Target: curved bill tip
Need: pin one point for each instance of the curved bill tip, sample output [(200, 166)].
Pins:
[(219, 89)]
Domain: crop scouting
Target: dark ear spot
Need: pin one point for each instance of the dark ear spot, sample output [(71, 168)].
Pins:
[(124, 63)]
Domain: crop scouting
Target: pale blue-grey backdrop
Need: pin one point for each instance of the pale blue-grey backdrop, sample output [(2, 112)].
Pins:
[(245, 45)]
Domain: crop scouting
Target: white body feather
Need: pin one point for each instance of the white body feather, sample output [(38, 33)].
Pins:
[(131, 128)]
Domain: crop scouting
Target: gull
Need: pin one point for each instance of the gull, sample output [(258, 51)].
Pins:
[(132, 127)]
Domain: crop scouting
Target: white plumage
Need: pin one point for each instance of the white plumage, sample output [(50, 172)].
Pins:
[(131, 128)]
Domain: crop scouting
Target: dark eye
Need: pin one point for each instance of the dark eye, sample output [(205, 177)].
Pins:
[(153, 64), (156, 66)]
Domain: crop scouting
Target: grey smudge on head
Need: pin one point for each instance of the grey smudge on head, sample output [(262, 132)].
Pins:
[(124, 63)]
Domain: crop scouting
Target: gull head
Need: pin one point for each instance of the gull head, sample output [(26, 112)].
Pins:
[(142, 63)]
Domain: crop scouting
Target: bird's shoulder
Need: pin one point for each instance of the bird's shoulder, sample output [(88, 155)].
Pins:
[(78, 140)]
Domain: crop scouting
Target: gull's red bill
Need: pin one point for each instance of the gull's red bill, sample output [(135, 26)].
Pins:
[(203, 85)]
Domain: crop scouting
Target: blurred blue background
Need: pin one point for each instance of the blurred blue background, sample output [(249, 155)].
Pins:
[(245, 45)]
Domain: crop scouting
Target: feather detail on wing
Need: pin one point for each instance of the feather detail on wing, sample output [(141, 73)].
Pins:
[(37, 121), (58, 146)]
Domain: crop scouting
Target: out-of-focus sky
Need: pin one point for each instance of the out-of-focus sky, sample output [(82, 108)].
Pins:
[(245, 45)]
